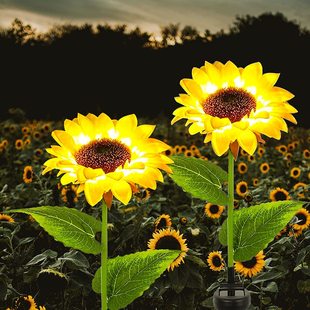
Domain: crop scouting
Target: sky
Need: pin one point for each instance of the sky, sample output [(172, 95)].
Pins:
[(149, 15)]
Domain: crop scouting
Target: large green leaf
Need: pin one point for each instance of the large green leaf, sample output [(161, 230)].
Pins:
[(200, 178), (256, 226), (71, 227), (130, 275)]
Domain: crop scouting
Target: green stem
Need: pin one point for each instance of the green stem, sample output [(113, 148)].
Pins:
[(230, 220), (104, 256)]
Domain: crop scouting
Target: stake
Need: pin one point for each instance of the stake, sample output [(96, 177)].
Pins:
[(230, 219), (104, 256)]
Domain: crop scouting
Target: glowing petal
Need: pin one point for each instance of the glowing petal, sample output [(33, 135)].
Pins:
[(247, 140), (192, 88), (220, 142), (122, 191)]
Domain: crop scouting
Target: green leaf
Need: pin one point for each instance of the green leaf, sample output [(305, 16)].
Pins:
[(130, 275), (256, 226), (71, 227), (200, 178)]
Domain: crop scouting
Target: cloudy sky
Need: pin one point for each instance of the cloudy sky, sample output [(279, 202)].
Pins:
[(149, 15)]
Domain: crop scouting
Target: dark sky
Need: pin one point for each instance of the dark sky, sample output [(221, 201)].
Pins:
[(149, 15)]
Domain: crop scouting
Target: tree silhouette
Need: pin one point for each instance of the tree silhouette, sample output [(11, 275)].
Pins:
[(87, 68)]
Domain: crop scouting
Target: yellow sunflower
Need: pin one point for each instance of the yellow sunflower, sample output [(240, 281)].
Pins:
[(264, 167), (28, 174), (169, 239), (255, 181), (242, 188), (233, 106), (295, 232), (215, 261), (278, 194), (295, 172), (213, 211), (242, 168), (303, 217), (6, 218), (163, 221), (300, 188), (25, 302), (19, 144), (306, 154), (107, 157), (251, 267)]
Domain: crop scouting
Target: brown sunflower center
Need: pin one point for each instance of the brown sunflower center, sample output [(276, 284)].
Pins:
[(230, 102), (242, 167), (279, 195), (250, 263), (243, 188), (29, 174), (23, 304), (216, 261), (168, 243), (214, 209), (162, 223), (302, 219), (295, 172), (107, 154)]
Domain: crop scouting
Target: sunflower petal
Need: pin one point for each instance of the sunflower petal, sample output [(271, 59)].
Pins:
[(122, 191), (247, 140)]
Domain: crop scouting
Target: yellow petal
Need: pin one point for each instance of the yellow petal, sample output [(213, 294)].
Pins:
[(220, 142), (86, 125), (195, 128), (217, 122), (104, 125), (200, 76), (192, 88), (122, 191), (270, 79), (251, 73), (214, 73), (144, 131), (229, 73), (126, 125), (279, 94), (93, 192), (65, 140), (247, 140), (72, 128), (68, 178)]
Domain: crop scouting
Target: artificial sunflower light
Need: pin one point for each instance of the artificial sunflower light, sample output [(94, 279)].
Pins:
[(106, 157), (234, 106)]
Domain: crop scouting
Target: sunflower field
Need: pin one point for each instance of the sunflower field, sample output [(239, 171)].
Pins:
[(38, 272)]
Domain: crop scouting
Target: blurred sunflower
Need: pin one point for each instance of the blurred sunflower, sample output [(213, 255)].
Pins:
[(278, 194), (251, 158), (252, 266), (183, 148), (25, 303), (169, 152), (169, 239), (282, 149), (233, 106), (264, 167), (215, 261), (183, 220), (300, 188), (260, 151), (189, 153), (28, 174), (242, 168), (6, 218), (255, 181), (295, 172), (107, 157), (288, 156), (295, 232), (303, 217), (213, 211), (242, 188), (306, 154), (163, 221), (69, 194), (19, 144)]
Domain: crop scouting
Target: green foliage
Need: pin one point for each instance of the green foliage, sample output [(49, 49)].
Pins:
[(202, 179), (71, 227), (130, 275), (256, 226)]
